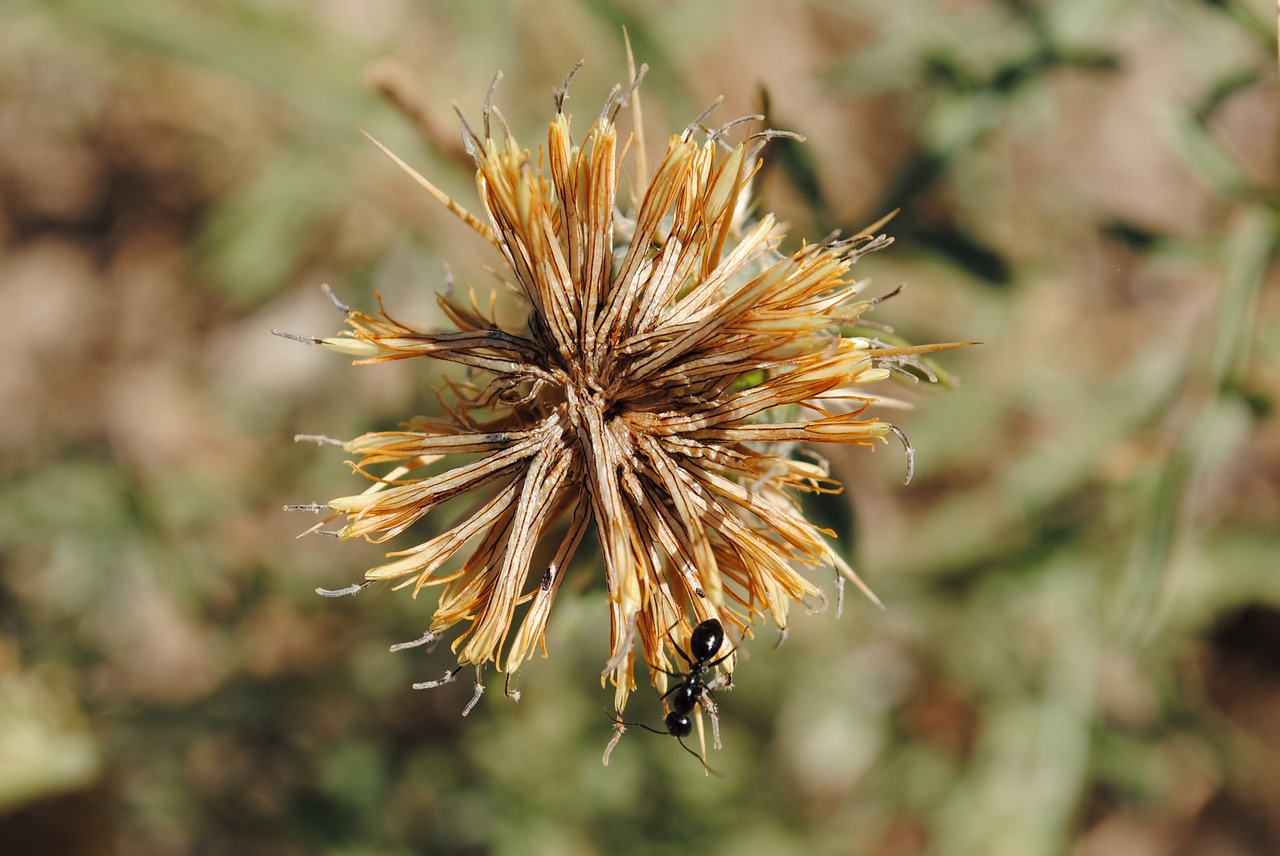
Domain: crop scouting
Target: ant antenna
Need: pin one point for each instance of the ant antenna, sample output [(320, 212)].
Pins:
[(679, 725)]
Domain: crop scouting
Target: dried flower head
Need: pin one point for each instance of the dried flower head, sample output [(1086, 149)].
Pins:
[(672, 359)]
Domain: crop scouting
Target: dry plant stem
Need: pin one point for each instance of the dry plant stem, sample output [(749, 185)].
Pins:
[(452, 675), (429, 639), (713, 713), (672, 358), (618, 730)]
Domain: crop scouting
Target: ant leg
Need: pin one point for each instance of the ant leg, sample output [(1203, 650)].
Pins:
[(676, 646), (718, 660), (692, 663), (667, 672)]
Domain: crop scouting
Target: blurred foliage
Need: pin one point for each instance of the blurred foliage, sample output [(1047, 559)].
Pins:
[(1079, 653)]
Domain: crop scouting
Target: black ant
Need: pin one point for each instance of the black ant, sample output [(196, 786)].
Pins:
[(692, 687)]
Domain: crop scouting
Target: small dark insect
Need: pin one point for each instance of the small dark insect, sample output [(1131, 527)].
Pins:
[(692, 687)]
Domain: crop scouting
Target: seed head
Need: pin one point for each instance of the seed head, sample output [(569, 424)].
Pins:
[(673, 359)]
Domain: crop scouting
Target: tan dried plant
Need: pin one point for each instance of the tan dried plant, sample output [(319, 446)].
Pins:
[(673, 359)]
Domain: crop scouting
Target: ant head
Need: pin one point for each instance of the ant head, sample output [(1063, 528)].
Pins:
[(678, 724), (706, 640)]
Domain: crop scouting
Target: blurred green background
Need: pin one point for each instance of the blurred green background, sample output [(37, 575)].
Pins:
[(1081, 650)]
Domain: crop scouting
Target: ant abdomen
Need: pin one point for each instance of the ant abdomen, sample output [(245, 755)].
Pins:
[(705, 641)]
